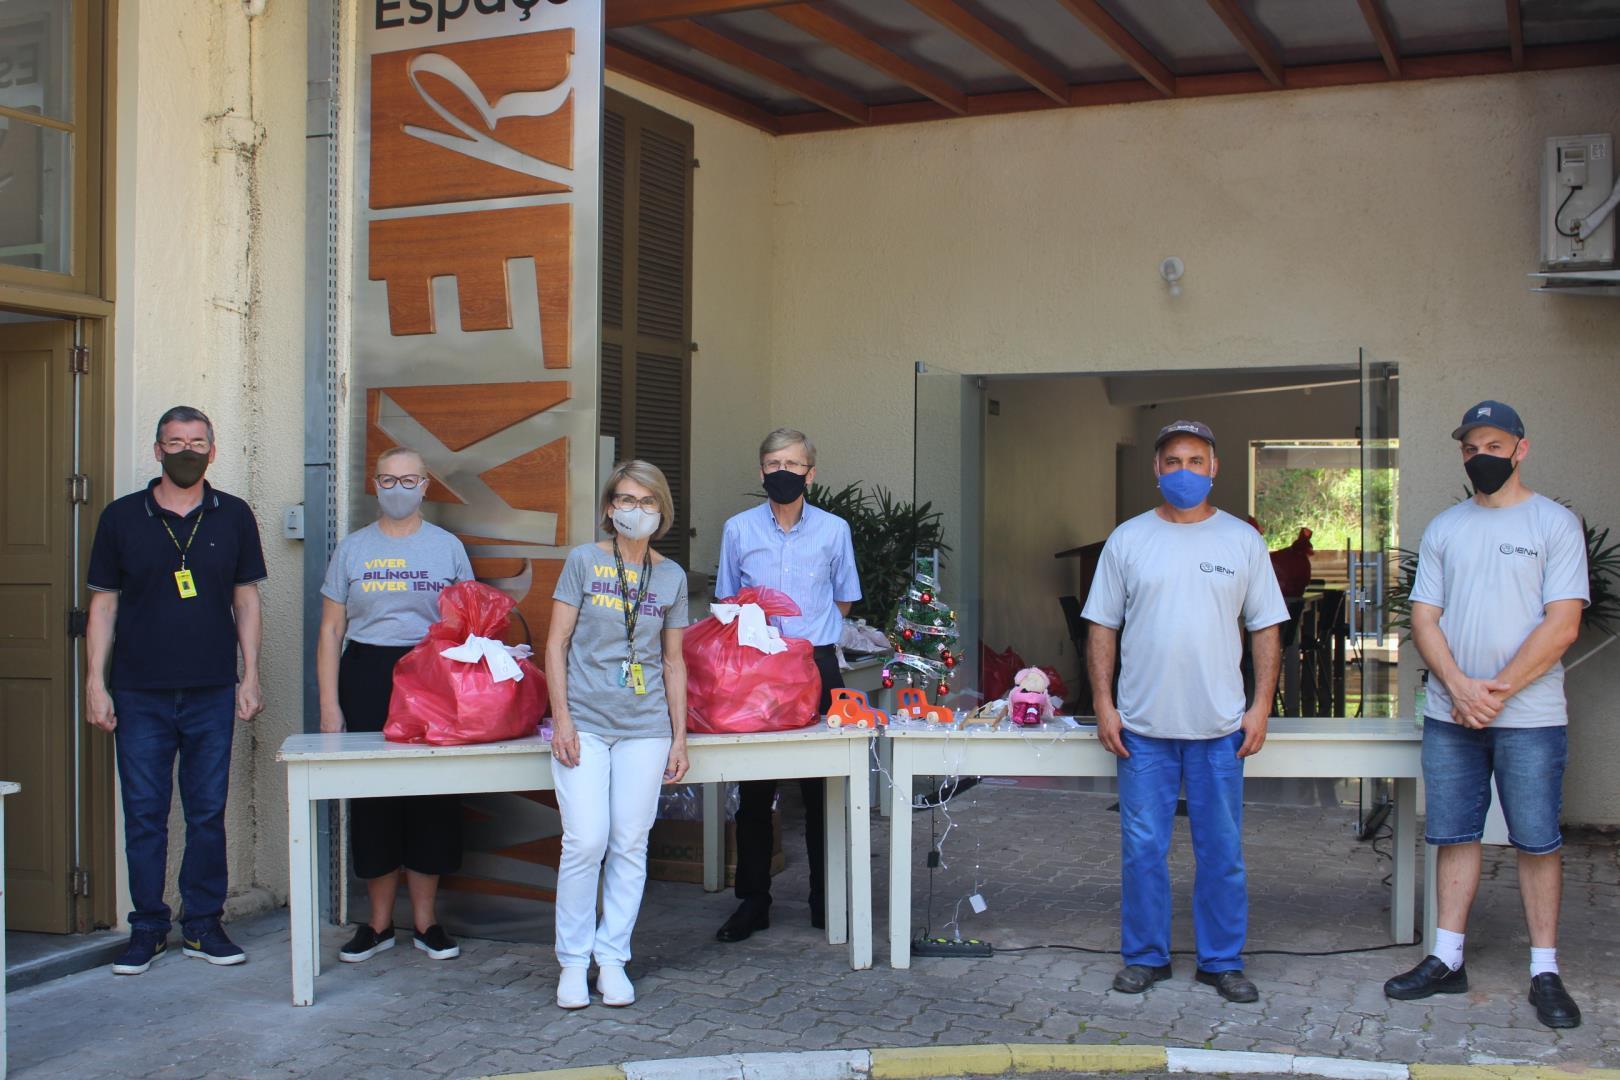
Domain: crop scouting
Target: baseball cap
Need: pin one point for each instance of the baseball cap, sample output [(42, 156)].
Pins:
[(1491, 414), (1185, 427)]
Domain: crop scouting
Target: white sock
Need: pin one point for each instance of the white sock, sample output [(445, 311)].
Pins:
[(1448, 947), (1543, 962)]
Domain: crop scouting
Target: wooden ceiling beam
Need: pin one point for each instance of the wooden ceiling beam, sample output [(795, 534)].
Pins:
[(1311, 76), (1254, 42), (981, 35), (742, 57), (847, 39), (640, 12), (687, 88), (1515, 21), (1116, 37), (1373, 12)]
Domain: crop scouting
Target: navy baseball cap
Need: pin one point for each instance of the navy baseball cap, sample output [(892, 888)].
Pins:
[(1491, 414), (1185, 427)]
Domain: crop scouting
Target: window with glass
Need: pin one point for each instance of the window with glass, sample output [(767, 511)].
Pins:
[(41, 113)]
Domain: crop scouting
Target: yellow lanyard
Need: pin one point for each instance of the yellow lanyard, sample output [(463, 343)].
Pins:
[(183, 550)]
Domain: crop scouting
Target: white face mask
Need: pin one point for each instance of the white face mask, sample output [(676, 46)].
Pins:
[(637, 524)]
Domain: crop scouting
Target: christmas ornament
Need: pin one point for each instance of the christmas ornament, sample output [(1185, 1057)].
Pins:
[(950, 661), (927, 597), (888, 683)]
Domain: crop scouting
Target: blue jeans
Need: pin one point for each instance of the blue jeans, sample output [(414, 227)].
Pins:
[(1528, 763), (152, 726), (1150, 782)]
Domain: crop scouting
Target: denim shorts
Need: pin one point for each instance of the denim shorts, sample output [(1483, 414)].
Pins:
[(1529, 766)]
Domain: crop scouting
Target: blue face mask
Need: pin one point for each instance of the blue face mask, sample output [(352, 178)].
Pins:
[(1185, 489)]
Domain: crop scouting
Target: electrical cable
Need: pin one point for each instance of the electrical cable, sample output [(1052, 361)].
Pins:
[(1560, 213)]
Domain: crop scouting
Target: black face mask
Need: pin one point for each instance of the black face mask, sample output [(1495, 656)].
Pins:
[(783, 486), (1488, 473), (185, 467)]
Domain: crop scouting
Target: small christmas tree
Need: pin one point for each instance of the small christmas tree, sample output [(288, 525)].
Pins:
[(924, 633)]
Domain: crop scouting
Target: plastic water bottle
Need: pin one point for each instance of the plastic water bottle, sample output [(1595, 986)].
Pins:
[(1421, 698)]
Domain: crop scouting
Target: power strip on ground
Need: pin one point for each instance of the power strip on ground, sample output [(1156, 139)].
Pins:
[(939, 946)]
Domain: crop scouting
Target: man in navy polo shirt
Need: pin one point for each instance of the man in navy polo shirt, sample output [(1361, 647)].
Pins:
[(174, 575)]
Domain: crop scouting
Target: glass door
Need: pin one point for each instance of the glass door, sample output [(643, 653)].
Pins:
[(947, 473), (1373, 570)]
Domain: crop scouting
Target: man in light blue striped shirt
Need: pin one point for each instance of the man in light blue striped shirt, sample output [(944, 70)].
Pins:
[(788, 545)]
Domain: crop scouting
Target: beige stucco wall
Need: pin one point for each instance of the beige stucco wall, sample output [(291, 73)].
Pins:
[(731, 311), (1401, 218), (210, 313)]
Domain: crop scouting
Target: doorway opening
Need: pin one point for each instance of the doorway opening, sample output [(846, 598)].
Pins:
[(1036, 470)]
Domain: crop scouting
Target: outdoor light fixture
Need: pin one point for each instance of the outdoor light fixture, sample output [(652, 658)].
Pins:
[(1171, 270), (254, 8)]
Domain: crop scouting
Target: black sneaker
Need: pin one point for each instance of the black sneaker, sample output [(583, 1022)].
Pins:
[(365, 944), (437, 944), (1139, 978), (214, 946), (144, 947)]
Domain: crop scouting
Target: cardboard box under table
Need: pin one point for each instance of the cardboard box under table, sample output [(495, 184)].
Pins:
[(361, 765)]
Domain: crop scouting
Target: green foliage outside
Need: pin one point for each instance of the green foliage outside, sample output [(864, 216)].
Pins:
[(1326, 501)]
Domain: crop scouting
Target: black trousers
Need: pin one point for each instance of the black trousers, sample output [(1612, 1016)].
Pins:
[(754, 813), (418, 832)]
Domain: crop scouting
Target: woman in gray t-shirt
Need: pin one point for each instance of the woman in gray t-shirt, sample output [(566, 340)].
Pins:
[(618, 706), (381, 595)]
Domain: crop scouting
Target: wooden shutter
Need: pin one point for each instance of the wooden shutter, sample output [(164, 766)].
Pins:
[(647, 297)]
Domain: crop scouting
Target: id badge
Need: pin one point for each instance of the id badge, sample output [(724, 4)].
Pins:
[(187, 587), (636, 680)]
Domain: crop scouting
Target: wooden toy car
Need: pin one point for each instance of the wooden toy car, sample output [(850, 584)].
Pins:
[(910, 701), (850, 707)]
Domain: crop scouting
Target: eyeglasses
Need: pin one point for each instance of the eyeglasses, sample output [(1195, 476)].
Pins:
[(777, 465), (384, 480), (630, 502), (174, 446)]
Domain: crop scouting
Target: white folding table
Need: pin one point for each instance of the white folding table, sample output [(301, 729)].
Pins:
[(362, 765), (1331, 747)]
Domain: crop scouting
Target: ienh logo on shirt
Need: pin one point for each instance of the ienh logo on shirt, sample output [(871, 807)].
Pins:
[(1514, 549), (1216, 568)]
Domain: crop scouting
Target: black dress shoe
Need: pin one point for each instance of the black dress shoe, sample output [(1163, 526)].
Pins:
[(1231, 985), (818, 912), (744, 921), (1137, 978), (1431, 976), (1554, 1006)]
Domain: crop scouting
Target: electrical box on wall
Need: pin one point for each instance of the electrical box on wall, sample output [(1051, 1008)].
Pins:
[(1577, 178)]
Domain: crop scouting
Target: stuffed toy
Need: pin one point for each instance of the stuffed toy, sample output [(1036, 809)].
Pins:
[(1029, 700)]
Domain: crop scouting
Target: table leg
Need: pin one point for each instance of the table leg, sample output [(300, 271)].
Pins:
[(1403, 878), (1431, 895), (860, 855), (714, 839), (900, 855), (301, 899), (837, 894)]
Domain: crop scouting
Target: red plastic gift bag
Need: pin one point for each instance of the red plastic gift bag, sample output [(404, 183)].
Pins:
[(733, 688), (452, 702)]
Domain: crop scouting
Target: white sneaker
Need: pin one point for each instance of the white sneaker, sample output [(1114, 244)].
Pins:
[(614, 985), (573, 992)]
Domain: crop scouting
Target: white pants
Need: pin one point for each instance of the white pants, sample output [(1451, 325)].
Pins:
[(608, 802)]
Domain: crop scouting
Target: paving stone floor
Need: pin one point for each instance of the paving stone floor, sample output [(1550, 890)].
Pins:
[(1046, 862)]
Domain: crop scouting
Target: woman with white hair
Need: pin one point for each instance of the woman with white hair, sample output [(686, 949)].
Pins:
[(380, 596), (618, 705)]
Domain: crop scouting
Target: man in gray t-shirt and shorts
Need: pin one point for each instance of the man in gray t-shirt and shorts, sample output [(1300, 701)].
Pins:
[(1501, 581)]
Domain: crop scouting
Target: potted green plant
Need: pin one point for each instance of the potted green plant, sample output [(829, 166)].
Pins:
[(885, 532)]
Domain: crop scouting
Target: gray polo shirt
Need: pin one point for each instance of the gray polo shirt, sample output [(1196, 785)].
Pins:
[(1493, 571), (596, 701)]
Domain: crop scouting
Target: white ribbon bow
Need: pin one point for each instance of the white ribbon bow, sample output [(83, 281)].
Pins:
[(752, 629), (501, 658)]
